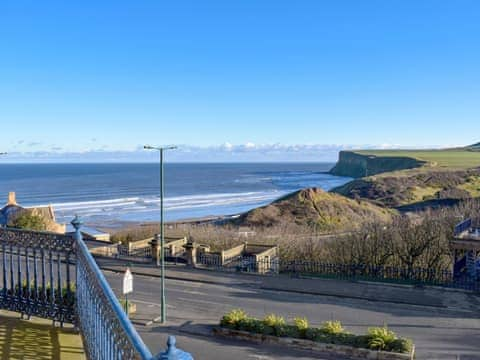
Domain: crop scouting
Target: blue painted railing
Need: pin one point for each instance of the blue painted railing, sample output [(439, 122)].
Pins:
[(105, 327), (36, 278)]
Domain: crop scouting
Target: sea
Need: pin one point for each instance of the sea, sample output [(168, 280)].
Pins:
[(117, 193)]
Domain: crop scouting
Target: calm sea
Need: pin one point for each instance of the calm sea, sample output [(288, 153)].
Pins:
[(130, 192)]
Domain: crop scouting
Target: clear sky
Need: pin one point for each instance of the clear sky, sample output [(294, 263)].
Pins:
[(237, 75)]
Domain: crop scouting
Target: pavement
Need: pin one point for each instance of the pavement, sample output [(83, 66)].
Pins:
[(37, 339), (444, 324)]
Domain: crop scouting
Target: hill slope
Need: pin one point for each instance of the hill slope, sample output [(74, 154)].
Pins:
[(410, 187), (317, 208)]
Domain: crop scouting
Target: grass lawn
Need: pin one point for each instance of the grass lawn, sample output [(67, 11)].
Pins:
[(37, 339), (459, 159)]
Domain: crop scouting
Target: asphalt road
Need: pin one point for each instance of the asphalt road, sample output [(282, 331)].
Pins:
[(439, 333)]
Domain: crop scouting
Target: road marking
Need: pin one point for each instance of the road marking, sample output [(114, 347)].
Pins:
[(202, 301), (152, 303)]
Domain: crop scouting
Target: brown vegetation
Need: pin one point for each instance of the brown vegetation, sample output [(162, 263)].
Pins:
[(316, 209), (393, 190), (420, 241)]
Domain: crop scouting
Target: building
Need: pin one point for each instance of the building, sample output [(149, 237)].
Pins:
[(12, 209), (466, 251)]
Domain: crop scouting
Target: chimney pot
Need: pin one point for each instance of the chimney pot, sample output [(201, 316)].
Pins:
[(12, 198)]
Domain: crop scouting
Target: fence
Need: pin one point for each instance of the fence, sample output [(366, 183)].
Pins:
[(136, 255), (36, 275), (36, 279), (239, 264), (416, 276)]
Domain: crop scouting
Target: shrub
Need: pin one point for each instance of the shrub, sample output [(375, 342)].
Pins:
[(277, 323), (233, 317), (311, 334), (381, 338), (332, 327), (273, 320), (331, 332), (293, 332), (258, 327), (401, 345), (301, 323), (29, 221), (246, 324)]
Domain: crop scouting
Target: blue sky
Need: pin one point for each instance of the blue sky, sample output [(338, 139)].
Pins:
[(236, 80)]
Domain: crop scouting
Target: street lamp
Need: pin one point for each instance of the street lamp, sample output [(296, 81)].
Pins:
[(163, 317)]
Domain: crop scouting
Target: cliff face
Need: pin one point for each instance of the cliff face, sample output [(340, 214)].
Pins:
[(357, 165)]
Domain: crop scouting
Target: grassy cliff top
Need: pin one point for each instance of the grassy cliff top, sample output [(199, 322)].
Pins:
[(462, 158), (405, 178)]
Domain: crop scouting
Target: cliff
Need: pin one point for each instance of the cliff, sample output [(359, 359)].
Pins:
[(358, 165)]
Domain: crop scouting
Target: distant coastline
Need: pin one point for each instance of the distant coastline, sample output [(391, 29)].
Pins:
[(118, 194)]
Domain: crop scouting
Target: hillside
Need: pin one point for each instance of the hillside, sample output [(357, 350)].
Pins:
[(414, 187), (363, 163), (327, 212)]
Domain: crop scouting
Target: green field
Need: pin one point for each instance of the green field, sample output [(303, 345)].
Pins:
[(458, 159)]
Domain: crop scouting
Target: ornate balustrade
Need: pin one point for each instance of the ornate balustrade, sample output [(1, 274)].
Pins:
[(36, 278), (36, 274)]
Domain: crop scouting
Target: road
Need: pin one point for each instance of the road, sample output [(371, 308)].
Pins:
[(439, 333)]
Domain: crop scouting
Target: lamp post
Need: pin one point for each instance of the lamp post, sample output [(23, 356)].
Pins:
[(163, 317)]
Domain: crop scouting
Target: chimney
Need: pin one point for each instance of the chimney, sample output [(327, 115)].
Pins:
[(12, 198)]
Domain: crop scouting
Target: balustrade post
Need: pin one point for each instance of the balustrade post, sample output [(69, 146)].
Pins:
[(77, 224), (155, 244), (191, 249), (172, 353)]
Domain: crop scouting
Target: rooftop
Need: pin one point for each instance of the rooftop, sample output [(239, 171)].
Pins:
[(470, 234), (467, 236)]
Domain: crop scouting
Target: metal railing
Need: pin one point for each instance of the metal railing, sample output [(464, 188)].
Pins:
[(106, 330), (37, 279), (36, 275), (355, 272), (138, 255)]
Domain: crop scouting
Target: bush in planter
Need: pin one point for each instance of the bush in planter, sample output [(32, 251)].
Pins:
[(312, 333), (401, 345), (277, 323), (381, 338), (248, 324), (258, 327), (301, 324), (332, 328), (293, 332), (274, 320), (331, 332), (361, 341), (233, 317)]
